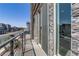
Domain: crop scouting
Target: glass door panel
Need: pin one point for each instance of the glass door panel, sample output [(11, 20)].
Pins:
[(64, 11)]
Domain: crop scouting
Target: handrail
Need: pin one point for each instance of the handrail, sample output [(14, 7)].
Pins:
[(11, 41), (3, 44)]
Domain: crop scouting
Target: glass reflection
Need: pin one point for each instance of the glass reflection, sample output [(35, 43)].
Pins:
[(64, 28)]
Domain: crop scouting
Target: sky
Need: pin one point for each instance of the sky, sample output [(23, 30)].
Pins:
[(65, 13), (15, 14)]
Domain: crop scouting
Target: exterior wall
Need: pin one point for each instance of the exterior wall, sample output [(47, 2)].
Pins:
[(75, 29), (43, 29), (38, 27), (34, 8)]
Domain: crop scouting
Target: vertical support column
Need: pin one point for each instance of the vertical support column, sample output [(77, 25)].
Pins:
[(12, 48)]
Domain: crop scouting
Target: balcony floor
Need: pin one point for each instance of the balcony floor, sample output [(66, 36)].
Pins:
[(31, 48)]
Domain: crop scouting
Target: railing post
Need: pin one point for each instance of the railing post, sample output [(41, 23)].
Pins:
[(12, 48), (24, 41), (22, 46)]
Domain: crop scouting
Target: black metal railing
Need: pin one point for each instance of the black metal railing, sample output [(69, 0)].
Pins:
[(11, 44)]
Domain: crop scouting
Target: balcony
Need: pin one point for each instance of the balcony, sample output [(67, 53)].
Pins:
[(21, 45)]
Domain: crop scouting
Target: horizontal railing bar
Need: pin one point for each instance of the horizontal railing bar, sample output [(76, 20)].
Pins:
[(8, 41), (69, 37)]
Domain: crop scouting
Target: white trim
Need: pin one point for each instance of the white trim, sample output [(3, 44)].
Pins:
[(38, 26), (39, 45), (38, 50), (41, 24), (58, 28), (48, 27), (54, 7)]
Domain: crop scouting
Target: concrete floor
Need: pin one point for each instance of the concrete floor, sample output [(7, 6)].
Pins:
[(29, 49)]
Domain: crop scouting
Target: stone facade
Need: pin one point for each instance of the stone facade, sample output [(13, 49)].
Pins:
[(43, 27), (51, 29), (75, 29)]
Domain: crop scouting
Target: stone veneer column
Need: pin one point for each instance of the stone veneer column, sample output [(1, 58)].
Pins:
[(51, 29), (75, 33)]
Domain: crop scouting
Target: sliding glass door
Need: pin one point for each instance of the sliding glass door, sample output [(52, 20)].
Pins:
[(64, 26), (44, 29)]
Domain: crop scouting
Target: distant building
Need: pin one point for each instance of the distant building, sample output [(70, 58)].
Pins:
[(8, 27), (28, 26), (2, 28), (14, 28), (5, 28), (65, 29)]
